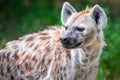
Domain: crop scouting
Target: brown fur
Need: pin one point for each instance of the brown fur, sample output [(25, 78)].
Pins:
[(86, 11)]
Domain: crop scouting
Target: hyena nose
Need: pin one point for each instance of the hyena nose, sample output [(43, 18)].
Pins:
[(65, 40)]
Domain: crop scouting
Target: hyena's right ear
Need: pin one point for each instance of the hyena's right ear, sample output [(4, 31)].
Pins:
[(67, 11)]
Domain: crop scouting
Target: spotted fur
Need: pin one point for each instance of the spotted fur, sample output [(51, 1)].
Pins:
[(41, 56)]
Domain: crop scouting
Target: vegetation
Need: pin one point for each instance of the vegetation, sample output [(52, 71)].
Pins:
[(20, 17)]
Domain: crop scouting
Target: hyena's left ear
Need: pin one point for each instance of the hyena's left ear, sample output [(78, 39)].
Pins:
[(99, 16), (67, 11)]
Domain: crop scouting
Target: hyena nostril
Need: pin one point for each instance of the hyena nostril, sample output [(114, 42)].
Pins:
[(65, 40)]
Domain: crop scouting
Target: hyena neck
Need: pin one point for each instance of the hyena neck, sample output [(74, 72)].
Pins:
[(88, 55)]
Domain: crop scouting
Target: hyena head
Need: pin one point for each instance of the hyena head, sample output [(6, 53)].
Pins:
[(81, 27)]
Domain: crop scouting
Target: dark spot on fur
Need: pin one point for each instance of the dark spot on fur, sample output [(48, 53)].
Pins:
[(44, 37), (36, 47), (30, 78), (34, 59), (42, 61), (28, 66), (43, 33), (12, 77), (8, 56), (16, 56), (1, 69), (21, 78), (69, 56), (49, 60), (85, 60), (61, 78), (64, 69), (8, 69), (64, 74), (31, 44), (30, 38)]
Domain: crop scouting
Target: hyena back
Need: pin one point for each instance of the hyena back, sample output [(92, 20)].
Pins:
[(60, 53)]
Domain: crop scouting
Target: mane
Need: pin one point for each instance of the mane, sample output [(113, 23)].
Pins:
[(86, 11)]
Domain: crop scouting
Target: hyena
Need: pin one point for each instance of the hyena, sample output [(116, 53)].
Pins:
[(69, 52)]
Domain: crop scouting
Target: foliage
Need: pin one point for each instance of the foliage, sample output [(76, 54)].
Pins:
[(110, 67), (20, 17)]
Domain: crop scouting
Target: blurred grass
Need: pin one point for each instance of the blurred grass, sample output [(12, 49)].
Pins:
[(109, 68), (20, 17)]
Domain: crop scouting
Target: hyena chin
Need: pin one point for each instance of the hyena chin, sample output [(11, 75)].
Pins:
[(61, 53)]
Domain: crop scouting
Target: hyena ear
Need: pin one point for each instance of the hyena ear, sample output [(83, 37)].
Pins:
[(67, 11), (99, 16)]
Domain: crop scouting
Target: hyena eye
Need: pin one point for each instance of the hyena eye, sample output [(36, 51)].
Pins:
[(81, 29)]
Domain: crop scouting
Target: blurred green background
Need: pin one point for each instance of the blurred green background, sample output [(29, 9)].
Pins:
[(20, 17)]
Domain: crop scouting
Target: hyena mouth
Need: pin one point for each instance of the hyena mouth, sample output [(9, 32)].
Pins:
[(72, 46)]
